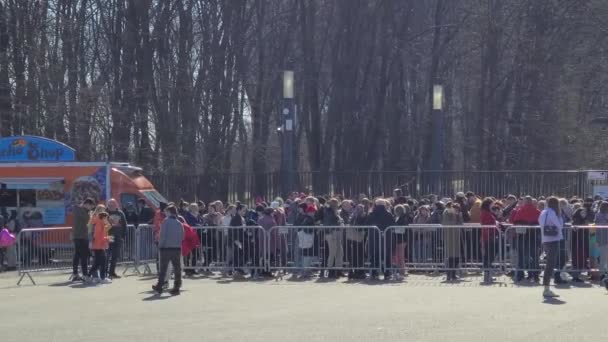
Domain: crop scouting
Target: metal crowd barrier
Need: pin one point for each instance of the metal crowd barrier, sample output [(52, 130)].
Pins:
[(43, 249), (235, 250), (146, 249), (356, 249), (579, 249), (303, 249), (442, 248)]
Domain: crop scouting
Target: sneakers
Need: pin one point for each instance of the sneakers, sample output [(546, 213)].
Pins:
[(549, 294), (76, 278), (175, 292), (157, 289), (106, 281)]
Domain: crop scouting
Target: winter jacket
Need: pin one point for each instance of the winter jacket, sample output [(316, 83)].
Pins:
[(487, 218), (331, 218), (527, 215), (118, 220), (579, 220), (191, 240), (380, 218), (346, 216), (422, 220), (267, 222), (437, 217), (475, 212), (81, 220), (193, 221), (451, 236), (100, 233)]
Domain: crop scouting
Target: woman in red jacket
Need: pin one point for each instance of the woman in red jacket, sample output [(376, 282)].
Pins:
[(489, 237)]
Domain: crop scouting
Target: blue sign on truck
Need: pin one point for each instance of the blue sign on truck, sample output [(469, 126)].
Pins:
[(34, 149)]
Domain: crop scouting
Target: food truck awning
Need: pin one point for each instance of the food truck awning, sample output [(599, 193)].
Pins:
[(29, 183)]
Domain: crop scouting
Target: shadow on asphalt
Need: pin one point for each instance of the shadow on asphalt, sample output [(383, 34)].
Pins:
[(154, 296), (62, 284), (553, 301)]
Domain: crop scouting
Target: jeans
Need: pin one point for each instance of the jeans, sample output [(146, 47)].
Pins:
[(336, 252), (99, 264), (173, 256), (528, 253), (355, 253), (114, 255), (552, 259), (81, 256)]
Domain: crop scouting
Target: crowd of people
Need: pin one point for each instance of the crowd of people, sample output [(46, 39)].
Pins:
[(334, 248), (101, 230)]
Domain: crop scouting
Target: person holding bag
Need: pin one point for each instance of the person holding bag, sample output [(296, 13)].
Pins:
[(552, 225)]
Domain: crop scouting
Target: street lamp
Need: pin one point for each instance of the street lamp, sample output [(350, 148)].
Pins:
[(288, 84), (288, 126), (438, 134), (437, 97)]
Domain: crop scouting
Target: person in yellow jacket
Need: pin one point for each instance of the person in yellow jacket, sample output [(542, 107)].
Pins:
[(474, 205)]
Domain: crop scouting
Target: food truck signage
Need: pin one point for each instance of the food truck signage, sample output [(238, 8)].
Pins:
[(34, 149)]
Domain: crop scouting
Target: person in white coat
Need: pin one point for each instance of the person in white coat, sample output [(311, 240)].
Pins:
[(552, 225)]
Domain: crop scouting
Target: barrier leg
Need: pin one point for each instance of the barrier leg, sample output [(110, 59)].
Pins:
[(147, 270), (131, 266), (23, 276)]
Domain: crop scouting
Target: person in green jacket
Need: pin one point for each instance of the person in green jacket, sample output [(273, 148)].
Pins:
[(80, 236)]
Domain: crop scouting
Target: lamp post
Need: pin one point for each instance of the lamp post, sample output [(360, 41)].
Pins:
[(438, 134), (287, 114)]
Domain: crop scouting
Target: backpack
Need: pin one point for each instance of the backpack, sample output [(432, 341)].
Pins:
[(6, 238)]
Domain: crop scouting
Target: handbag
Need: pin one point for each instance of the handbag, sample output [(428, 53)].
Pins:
[(550, 231), (6, 238), (305, 240)]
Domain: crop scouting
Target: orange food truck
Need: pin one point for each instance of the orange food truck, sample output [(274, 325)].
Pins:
[(42, 182)]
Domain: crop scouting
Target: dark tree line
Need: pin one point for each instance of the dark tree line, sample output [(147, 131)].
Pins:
[(194, 86)]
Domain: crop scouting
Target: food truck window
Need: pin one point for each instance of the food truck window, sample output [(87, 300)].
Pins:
[(27, 198), (126, 198), (8, 198)]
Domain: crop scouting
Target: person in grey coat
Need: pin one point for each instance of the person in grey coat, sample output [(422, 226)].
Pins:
[(451, 237), (170, 250)]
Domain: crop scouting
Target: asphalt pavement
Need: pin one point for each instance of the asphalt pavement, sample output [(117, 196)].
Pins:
[(421, 308)]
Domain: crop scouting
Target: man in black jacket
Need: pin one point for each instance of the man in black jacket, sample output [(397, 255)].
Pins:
[(117, 233), (381, 218)]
